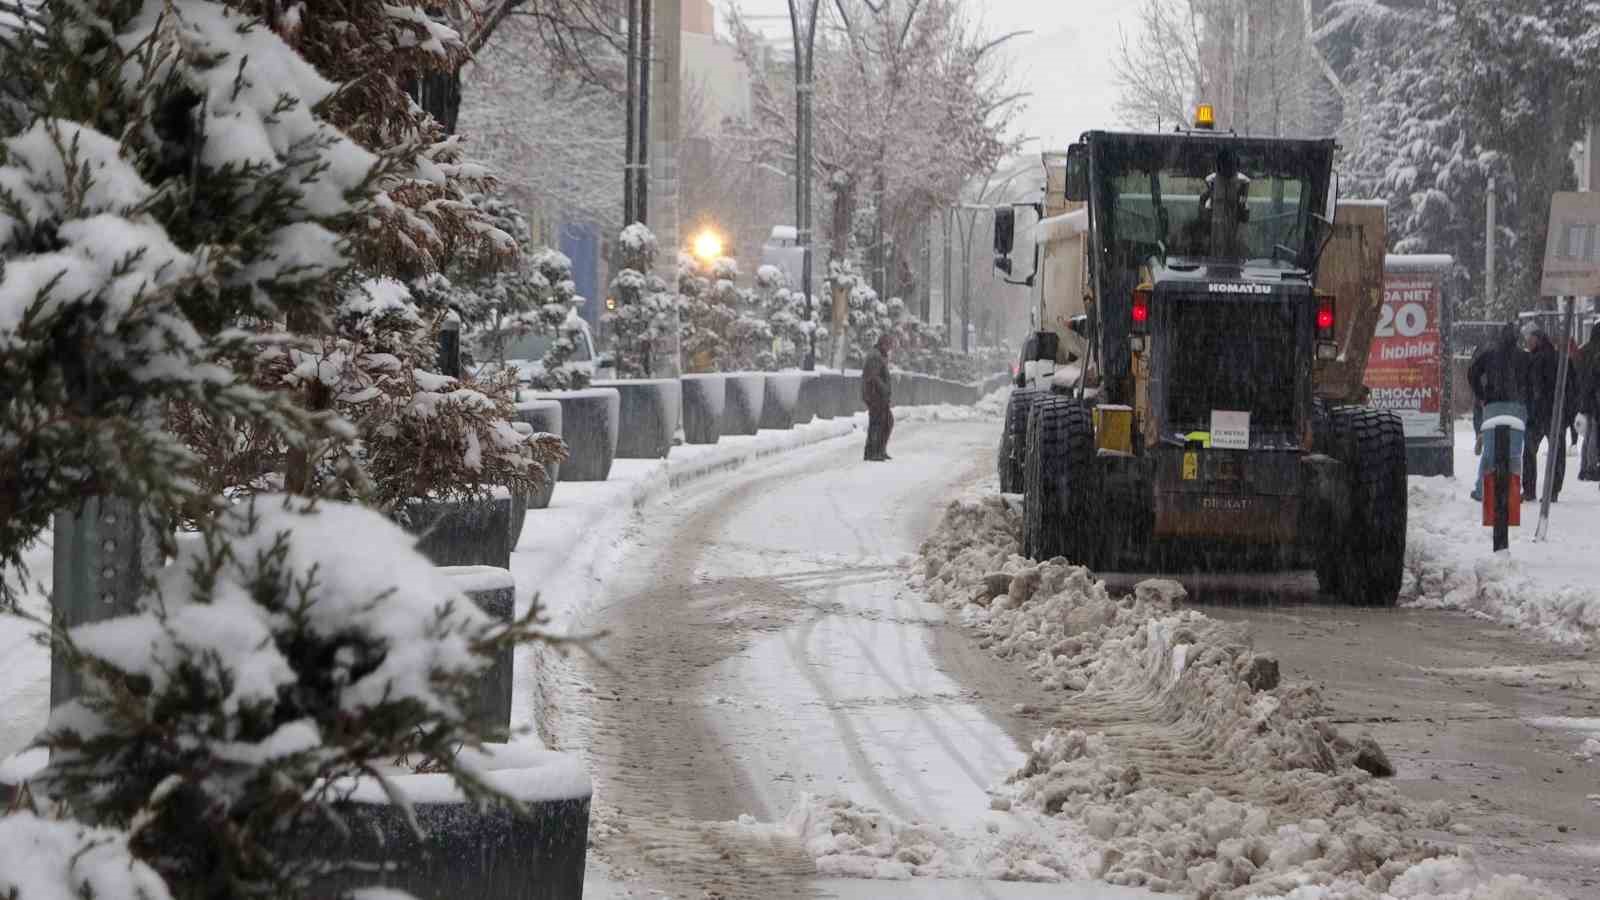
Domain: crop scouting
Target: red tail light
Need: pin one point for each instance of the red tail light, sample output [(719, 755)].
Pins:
[(1141, 309), (1325, 320)]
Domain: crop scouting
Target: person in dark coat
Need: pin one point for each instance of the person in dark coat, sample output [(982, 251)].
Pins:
[(1546, 366), (1500, 378), (1589, 405), (875, 394)]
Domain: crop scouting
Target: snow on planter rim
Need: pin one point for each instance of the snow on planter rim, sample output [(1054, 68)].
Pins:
[(1160, 693), (526, 773)]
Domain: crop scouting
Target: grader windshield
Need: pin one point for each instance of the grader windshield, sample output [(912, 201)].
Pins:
[(1205, 197)]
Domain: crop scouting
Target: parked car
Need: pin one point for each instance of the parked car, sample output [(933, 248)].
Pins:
[(524, 352)]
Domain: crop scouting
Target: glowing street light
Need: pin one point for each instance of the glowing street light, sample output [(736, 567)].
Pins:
[(708, 246)]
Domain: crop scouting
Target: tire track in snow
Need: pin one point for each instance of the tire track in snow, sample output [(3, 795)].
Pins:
[(668, 783)]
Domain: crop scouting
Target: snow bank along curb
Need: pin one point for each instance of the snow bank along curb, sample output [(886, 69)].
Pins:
[(1187, 761), (1449, 566)]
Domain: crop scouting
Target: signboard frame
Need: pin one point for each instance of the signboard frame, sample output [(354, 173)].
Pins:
[(1429, 452), (1572, 246)]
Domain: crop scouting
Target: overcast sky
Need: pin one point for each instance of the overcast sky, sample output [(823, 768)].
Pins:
[(1064, 62)]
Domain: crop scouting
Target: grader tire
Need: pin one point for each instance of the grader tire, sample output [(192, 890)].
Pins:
[(1060, 509), (1014, 439), (1367, 563)]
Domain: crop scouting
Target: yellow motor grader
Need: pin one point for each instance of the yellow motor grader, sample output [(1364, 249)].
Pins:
[(1193, 396)]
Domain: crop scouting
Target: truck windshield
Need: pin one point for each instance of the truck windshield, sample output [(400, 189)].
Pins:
[(1211, 199)]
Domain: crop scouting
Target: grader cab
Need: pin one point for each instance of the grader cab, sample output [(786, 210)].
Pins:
[(1200, 410)]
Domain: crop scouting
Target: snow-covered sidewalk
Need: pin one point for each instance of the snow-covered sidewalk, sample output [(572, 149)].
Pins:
[(1550, 588)]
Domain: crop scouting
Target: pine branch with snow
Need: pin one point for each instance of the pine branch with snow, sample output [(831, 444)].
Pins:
[(128, 260), (293, 648)]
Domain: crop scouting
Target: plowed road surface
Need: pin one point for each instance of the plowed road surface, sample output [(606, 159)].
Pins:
[(764, 644)]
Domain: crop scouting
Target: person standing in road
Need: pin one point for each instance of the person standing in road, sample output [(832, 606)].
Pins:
[(1545, 366), (875, 394), (1589, 405), (1500, 378)]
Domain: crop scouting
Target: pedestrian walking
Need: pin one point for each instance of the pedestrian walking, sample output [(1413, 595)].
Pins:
[(1545, 367), (1500, 377), (875, 393), (1477, 404), (1589, 405)]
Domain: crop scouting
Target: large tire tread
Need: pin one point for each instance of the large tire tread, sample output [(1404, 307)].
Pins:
[(1061, 484), (1366, 566), (1014, 439)]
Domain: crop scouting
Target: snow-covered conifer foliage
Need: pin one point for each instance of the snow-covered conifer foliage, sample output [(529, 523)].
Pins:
[(639, 324), (206, 248)]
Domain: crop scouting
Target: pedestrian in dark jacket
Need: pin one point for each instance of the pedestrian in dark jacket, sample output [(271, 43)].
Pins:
[(1541, 416), (1589, 405), (875, 394), (1500, 378)]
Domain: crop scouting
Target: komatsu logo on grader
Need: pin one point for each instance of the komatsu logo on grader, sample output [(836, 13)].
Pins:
[(1240, 288)]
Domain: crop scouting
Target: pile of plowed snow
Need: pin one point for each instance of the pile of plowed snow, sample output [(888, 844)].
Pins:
[(1181, 754), (850, 840)]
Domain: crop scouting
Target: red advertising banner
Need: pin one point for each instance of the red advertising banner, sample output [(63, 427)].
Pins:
[(1405, 368)]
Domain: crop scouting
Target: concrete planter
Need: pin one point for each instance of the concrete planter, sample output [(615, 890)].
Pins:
[(494, 853), (463, 532), (545, 416), (809, 405), (902, 385), (494, 591), (649, 414), (705, 398), (780, 403), (831, 401), (589, 425), (852, 393), (746, 393)]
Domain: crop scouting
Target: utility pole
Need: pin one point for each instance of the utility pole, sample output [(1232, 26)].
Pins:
[(947, 223), (924, 302), (1488, 248), (641, 178), (803, 28), (630, 164)]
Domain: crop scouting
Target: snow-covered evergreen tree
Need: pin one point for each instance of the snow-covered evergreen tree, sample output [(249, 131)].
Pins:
[(172, 195), (375, 360), (150, 203), (787, 316), (644, 306), (724, 329), (706, 320)]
